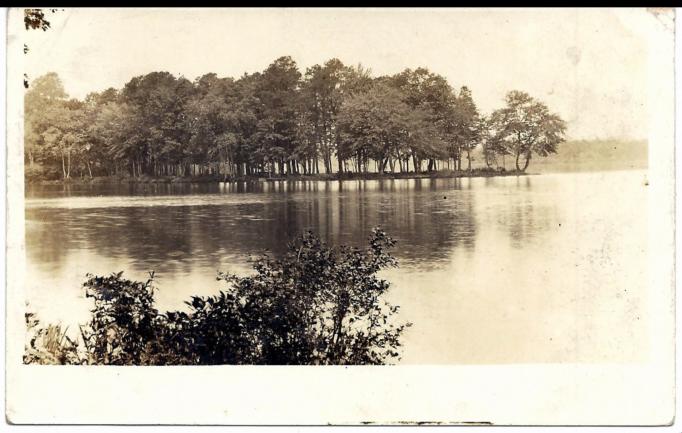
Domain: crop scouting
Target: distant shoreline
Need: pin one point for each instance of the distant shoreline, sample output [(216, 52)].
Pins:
[(442, 174)]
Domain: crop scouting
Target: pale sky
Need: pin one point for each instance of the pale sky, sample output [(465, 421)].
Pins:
[(590, 66)]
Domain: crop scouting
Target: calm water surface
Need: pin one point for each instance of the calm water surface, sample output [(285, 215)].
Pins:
[(492, 270)]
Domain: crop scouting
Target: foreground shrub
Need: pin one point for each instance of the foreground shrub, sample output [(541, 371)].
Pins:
[(316, 305), (48, 345)]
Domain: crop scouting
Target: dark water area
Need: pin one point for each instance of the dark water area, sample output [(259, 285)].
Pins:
[(507, 269), (201, 223)]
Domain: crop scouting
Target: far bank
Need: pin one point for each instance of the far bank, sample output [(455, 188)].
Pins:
[(477, 172)]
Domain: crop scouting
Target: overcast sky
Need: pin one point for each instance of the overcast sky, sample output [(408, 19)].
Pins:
[(587, 65)]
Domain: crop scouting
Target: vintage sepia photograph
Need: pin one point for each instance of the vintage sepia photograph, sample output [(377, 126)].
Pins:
[(413, 188)]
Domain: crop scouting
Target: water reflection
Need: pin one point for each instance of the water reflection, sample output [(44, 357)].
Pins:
[(427, 217), (491, 269)]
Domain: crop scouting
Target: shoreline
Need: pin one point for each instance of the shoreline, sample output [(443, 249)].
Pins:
[(444, 174)]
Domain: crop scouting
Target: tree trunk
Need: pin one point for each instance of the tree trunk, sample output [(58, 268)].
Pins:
[(68, 164), (488, 160), (525, 165), (518, 153), (432, 165)]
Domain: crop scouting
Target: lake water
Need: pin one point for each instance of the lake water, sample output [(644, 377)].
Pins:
[(545, 268)]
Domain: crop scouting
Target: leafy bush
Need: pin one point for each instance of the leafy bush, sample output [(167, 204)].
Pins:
[(124, 322), (316, 305)]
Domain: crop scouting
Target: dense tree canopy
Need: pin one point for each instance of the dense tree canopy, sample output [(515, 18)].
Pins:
[(280, 121)]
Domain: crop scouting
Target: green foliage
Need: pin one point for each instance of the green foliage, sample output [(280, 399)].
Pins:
[(316, 305)]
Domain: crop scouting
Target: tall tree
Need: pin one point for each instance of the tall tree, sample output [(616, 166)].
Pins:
[(373, 126), (161, 135), (222, 119), (379, 125), (526, 127), (277, 130), (323, 94), (42, 108), (432, 95), (490, 146), (467, 126), (66, 140)]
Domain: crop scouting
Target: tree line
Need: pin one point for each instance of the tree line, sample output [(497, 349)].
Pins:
[(331, 119)]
